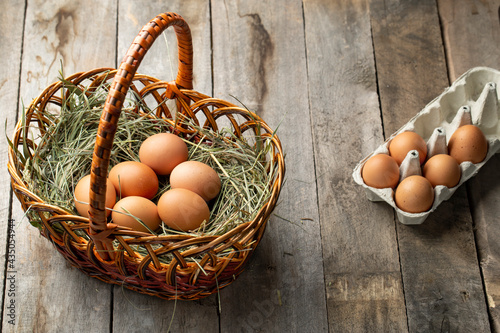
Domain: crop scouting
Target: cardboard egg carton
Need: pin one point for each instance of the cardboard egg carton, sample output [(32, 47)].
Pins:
[(471, 99)]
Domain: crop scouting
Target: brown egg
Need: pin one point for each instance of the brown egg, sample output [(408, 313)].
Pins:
[(414, 194), (133, 178), (141, 208), (197, 177), (82, 196), (380, 171), (402, 143), (442, 169), (468, 143), (183, 210), (163, 152)]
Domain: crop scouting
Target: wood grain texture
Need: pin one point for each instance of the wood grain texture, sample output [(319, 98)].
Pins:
[(133, 312), (438, 258), (161, 60), (409, 56), (11, 20), (484, 190), (52, 296), (471, 34), (335, 78), (477, 43), (364, 288), (259, 57)]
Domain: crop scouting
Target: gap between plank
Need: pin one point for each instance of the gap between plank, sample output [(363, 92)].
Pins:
[(468, 191), (395, 219), (11, 192), (314, 156)]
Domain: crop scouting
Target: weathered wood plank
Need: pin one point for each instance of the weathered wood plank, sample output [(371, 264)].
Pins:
[(484, 196), (470, 30), (133, 312), (11, 21), (329, 119), (462, 25), (442, 283), (364, 287), (259, 57), (161, 60), (51, 296)]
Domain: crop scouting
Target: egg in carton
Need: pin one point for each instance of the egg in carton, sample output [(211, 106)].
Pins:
[(471, 99)]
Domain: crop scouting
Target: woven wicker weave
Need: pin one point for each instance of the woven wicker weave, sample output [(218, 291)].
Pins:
[(222, 257)]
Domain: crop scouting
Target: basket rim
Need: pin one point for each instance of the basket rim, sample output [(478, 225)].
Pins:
[(20, 186)]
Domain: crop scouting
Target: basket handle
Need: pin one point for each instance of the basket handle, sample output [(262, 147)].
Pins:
[(98, 228)]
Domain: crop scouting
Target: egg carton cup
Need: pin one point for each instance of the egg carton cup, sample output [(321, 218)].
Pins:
[(471, 99)]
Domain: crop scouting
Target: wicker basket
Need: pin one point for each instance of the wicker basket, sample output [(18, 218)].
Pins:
[(223, 257)]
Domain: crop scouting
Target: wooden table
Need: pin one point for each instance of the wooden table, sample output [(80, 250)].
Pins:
[(338, 77)]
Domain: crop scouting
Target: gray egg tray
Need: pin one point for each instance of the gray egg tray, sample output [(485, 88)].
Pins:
[(471, 99)]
